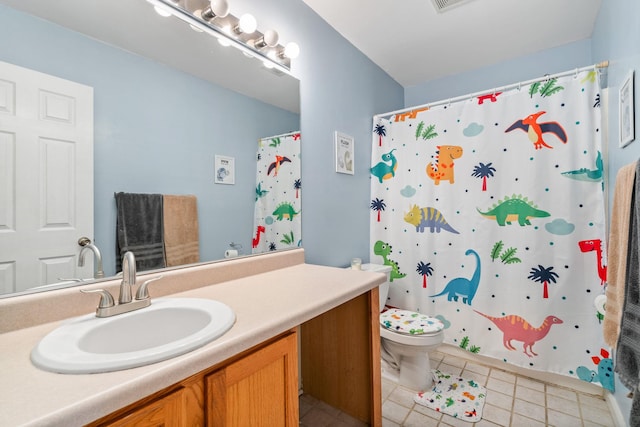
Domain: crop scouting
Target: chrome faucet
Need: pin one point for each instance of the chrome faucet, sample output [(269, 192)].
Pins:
[(128, 277), (107, 306), (88, 246)]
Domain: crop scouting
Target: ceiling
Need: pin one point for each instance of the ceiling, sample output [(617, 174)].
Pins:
[(413, 43)]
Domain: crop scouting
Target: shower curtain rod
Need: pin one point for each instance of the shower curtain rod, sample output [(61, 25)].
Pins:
[(603, 64), (293, 132)]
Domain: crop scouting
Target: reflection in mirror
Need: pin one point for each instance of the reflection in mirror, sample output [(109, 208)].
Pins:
[(162, 111)]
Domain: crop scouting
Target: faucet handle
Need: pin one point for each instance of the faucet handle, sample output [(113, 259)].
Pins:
[(106, 300), (142, 292)]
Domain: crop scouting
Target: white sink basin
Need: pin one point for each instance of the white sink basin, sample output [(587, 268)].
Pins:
[(167, 328)]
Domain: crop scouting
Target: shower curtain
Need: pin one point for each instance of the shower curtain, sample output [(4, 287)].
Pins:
[(277, 220), (490, 211)]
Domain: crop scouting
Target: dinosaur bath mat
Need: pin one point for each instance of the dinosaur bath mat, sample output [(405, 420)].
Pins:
[(454, 396)]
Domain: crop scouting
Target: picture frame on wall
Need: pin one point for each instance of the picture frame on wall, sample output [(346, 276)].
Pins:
[(627, 114), (225, 170), (344, 153)]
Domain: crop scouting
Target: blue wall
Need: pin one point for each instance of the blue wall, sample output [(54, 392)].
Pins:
[(156, 130)]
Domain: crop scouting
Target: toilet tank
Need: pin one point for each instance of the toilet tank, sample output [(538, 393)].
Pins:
[(383, 289)]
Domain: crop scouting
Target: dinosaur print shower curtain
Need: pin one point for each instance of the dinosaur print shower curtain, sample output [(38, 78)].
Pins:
[(491, 213), (277, 222)]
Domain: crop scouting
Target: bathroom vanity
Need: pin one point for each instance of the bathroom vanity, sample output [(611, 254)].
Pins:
[(292, 319)]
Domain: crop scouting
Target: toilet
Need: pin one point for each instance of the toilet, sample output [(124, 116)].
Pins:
[(406, 338)]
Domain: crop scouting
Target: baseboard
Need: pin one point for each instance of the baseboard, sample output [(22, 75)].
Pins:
[(618, 419)]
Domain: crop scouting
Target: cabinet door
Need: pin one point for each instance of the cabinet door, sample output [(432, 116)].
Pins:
[(260, 389), (167, 412)]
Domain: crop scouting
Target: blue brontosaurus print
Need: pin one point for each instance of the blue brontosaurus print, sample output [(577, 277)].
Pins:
[(463, 287)]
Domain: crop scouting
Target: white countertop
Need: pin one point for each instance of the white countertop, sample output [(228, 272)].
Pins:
[(265, 304)]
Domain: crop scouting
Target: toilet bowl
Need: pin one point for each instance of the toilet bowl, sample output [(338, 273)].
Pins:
[(406, 338)]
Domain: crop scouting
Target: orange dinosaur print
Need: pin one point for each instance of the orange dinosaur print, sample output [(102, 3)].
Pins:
[(516, 328), (443, 169), (409, 114), (469, 395)]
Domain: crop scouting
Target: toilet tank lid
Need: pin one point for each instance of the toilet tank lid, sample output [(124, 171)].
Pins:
[(378, 268)]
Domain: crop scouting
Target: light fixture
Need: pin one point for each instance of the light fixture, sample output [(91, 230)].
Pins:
[(241, 33)]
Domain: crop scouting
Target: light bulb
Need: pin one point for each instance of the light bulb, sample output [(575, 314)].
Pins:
[(292, 50), (216, 8), (219, 7), (270, 38), (161, 11), (247, 23)]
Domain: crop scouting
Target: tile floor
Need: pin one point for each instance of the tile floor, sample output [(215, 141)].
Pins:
[(512, 400)]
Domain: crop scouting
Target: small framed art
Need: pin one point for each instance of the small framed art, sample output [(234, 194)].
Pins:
[(225, 172), (345, 153), (627, 115)]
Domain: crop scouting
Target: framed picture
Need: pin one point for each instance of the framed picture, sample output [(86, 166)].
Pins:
[(627, 116), (345, 153), (225, 171)]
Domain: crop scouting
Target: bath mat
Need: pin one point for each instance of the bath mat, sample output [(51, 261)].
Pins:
[(455, 396)]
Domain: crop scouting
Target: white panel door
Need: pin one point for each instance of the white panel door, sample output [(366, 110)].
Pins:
[(46, 177)]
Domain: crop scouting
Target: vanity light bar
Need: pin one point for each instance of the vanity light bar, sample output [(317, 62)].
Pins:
[(276, 60)]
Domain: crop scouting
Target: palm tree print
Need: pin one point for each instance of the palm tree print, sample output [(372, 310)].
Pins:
[(428, 132), (275, 142), (381, 131), (260, 192), (545, 88), (543, 275), (424, 270), (297, 185), (483, 171), (378, 206), (288, 239)]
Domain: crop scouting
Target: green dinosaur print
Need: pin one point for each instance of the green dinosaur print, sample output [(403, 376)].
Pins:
[(384, 170), (512, 209), (285, 210), (585, 174), (384, 249)]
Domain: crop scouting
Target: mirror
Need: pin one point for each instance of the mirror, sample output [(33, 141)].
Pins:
[(167, 100)]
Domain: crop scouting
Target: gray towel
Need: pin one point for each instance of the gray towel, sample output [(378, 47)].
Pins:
[(628, 347), (139, 230)]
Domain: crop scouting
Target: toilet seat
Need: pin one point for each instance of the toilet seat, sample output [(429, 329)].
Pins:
[(410, 323)]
